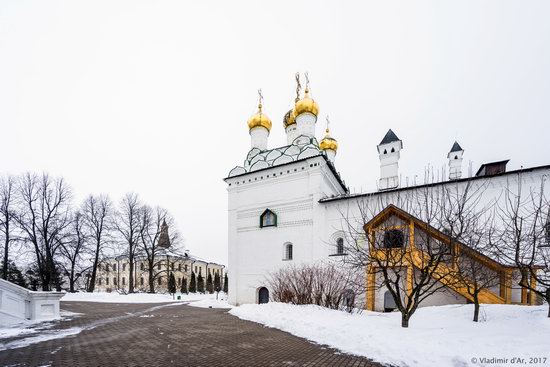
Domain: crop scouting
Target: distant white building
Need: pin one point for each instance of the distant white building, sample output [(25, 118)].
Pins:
[(114, 273), (285, 204)]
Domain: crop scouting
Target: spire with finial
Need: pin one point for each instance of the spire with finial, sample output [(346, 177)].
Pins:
[(259, 126), (306, 111), (329, 145), (164, 237)]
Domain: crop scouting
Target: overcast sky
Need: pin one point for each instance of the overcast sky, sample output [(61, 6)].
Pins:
[(153, 97)]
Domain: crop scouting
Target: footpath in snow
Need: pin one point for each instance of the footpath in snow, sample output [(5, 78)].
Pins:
[(437, 336), (194, 299)]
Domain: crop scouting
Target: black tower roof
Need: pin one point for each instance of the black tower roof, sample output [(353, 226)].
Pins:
[(390, 137)]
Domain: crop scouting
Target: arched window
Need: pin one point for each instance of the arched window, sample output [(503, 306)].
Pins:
[(268, 219), (288, 251), (393, 150), (340, 246), (393, 238)]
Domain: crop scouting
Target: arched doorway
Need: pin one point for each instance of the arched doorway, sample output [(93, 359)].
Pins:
[(263, 295), (389, 303)]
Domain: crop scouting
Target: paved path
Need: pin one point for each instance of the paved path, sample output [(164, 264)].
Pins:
[(163, 335)]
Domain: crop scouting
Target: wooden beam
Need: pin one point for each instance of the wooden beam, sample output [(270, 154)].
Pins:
[(371, 286), (532, 295)]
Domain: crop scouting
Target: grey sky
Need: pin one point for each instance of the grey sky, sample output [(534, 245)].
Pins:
[(153, 97)]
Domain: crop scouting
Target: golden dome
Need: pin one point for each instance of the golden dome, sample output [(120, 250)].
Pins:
[(259, 119), (306, 104), (289, 119), (328, 142)]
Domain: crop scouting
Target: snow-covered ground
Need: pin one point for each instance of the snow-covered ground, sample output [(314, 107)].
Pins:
[(437, 336), (113, 297)]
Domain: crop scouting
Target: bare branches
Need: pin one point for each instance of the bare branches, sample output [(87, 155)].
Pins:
[(97, 212), (324, 284)]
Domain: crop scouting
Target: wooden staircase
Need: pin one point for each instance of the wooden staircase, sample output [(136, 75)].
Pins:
[(444, 272)]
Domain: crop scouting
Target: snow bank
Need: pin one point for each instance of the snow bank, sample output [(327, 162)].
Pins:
[(105, 297), (437, 336)]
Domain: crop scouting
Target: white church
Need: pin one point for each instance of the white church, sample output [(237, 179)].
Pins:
[(285, 205)]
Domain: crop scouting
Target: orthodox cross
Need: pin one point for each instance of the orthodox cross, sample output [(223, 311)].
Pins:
[(260, 98), (298, 86)]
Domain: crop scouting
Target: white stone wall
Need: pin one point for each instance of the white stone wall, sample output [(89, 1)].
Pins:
[(293, 194), (18, 303)]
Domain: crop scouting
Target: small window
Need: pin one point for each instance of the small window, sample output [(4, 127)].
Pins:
[(393, 238), (124, 267), (179, 281), (179, 267), (288, 251), (141, 281), (158, 266), (340, 246), (106, 267), (106, 281), (393, 150), (268, 219), (114, 267), (99, 281), (114, 281), (123, 281), (141, 267), (159, 280), (385, 151)]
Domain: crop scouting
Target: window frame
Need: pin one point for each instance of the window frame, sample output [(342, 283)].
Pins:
[(286, 247), (262, 216)]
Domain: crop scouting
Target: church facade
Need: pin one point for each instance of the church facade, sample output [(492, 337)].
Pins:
[(286, 205)]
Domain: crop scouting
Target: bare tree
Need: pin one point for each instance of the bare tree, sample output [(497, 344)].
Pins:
[(7, 214), (43, 216), (72, 249), (526, 232), (473, 270), (154, 251), (329, 285), (97, 212), (128, 223), (413, 261)]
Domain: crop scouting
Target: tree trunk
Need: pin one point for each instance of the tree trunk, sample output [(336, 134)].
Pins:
[(131, 280), (6, 248), (151, 280), (476, 308), (404, 320), (91, 284)]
